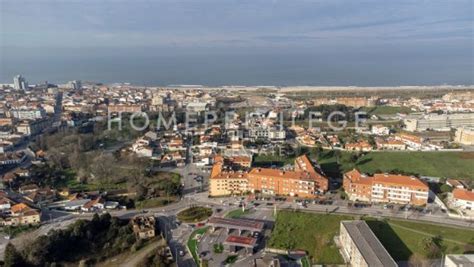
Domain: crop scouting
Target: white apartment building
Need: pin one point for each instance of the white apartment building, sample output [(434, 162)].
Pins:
[(28, 114), (360, 247), (380, 130), (439, 122)]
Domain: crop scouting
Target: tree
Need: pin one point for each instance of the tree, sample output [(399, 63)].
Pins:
[(12, 257), (445, 188)]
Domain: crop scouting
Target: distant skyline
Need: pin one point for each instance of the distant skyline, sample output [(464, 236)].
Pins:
[(239, 42)]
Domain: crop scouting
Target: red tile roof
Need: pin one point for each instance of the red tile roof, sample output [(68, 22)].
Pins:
[(463, 194)]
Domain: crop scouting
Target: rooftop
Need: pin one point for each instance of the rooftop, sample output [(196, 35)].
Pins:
[(463, 194), (367, 243)]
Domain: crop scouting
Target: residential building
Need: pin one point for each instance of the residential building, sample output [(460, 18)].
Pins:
[(19, 83), (456, 183), (412, 141), (12, 158), (125, 108), (464, 136), (390, 144), (33, 127), (74, 85), (385, 188), (359, 146), (303, 181), (28, 113), (380, 130), (458, 260), (197, 107), (22, 214), (268, 133), (144, 226), (462, 199), (439, 122), (361, 248)]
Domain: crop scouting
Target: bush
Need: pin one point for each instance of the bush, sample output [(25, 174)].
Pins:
[(194, 214), (445, 188)]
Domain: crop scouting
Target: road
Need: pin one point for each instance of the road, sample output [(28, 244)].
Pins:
[(178, 234)]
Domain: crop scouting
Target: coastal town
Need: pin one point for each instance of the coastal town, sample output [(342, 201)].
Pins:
[(214, 176)]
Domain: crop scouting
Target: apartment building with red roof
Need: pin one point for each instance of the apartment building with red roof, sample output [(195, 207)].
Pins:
[(303, 181), (381, 187)]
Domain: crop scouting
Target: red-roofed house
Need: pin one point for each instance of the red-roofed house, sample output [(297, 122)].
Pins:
[(463, 199)]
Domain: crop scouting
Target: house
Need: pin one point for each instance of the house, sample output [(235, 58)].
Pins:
[(413, 141), (462, 199), (456, 183), (5, 204), (22, 214), (30, 188), (76, 204), (93, 205), (359, 146), (41, 196), (144, 226), (389, 144), (380, 130)]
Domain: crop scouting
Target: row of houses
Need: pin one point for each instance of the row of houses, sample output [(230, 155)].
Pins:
[(14, 214)]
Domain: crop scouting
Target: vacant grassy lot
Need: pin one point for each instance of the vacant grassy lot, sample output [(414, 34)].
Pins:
[(237, 213), (439, 164), (386, 110), (310, 232), (402, 239), (194, 214)]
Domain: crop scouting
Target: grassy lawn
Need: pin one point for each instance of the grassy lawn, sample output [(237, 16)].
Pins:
[(192, 243), (386, 110), (194, 214), (402, 239), (310, 232), (269, 160), (237, 213), (155, 202), (75, 186), (439, 164)]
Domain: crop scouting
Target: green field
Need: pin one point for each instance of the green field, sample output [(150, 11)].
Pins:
[(386, 110), (403, 239), (315, 233), (237, 213), (438, 164), (194, 214)]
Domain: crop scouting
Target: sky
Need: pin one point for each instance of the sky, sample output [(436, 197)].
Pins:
[(371, 35)]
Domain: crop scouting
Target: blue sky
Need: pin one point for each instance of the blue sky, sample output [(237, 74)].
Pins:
[(221, 23), (362, 37)]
